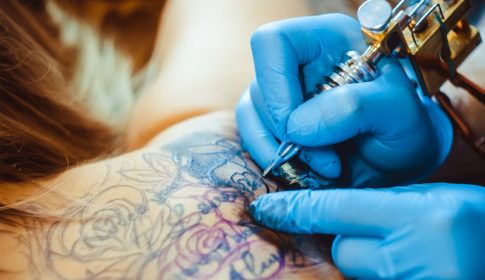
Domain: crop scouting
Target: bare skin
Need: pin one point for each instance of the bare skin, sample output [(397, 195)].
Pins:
[(205, 60), (175, 209)]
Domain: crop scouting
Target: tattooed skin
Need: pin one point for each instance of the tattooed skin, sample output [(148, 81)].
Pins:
[(180, 214)]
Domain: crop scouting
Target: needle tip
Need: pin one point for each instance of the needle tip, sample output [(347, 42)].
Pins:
[(296, 180), (268, 169)]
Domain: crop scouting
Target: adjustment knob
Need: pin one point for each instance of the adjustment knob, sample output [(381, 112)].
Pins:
[(375, 15)]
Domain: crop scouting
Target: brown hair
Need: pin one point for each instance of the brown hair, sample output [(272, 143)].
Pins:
[(42, 129)]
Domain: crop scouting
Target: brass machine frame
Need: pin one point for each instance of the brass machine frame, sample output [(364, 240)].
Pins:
[(436, 44)]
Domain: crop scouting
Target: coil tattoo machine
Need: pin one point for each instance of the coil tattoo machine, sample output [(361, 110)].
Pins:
[(434, 36)]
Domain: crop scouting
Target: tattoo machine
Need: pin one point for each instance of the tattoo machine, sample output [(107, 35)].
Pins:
[(435, 37)]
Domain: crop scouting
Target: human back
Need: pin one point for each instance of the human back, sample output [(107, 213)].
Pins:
[(176, 208)]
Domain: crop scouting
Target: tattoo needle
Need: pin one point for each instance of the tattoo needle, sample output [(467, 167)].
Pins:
[(285, 151)]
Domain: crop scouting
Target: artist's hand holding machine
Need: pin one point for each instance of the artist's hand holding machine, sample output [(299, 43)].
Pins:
[(369, 123)]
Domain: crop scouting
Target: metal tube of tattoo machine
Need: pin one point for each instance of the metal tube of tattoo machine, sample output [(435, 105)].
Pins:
[(423, 30)]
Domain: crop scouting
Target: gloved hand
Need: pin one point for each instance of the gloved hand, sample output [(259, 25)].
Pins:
[(432, 231), (396, 138)]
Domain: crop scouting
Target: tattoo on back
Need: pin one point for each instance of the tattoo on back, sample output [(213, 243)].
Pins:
[(181, 214)]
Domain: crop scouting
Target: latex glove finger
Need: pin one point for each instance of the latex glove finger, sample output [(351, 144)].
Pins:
[(361, 257), (346, 111), (323, 160), (256, 139), (259, 106), (281, 48), (358, 212)]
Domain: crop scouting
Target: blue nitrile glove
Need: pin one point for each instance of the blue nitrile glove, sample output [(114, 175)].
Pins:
[(431, 231), (397, 138)]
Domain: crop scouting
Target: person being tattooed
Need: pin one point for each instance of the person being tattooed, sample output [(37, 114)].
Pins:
[(104, 172), (176, 209)]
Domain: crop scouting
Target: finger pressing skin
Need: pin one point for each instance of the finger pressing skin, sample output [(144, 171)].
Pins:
[(360, 212)]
